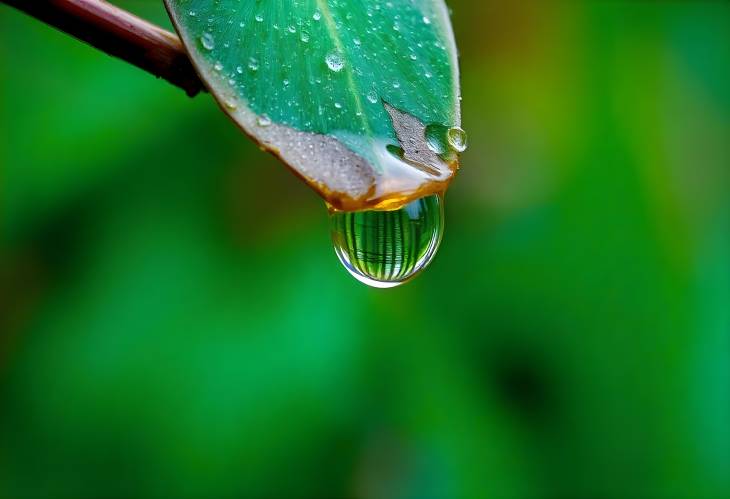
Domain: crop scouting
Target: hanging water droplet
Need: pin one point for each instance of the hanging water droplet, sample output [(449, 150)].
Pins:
[(335, 61), (263, 120), (207, 41), (387, 248), (457, 138)]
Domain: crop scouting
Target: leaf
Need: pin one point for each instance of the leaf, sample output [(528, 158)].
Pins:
[(341, 91)]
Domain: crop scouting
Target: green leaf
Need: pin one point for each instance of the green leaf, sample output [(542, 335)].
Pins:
[(341, 91)]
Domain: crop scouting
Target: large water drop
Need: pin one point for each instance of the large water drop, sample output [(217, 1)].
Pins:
[(387, 248)]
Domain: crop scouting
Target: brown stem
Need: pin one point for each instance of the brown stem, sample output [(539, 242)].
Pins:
[(119, 34)]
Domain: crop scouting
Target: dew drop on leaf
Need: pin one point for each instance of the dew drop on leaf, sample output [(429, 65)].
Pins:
[(436, 138), (335, 62), (457, 138), (207, 41)]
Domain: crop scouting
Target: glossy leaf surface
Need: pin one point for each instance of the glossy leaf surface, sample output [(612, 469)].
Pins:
[(342, 91)]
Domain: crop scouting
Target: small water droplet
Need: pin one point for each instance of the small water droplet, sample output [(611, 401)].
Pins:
[(426, 20), (356, 41), (241, 24), (335, 61), (317, 15), (396, 84), (414, 57), (372, 97), (218, 66), (231, 104), (207, 41), (259, 18), (253, 64), (457, 138), (304, 36), (192, 13), (263, 120), (338, 105), (387, 248), (239, 69)]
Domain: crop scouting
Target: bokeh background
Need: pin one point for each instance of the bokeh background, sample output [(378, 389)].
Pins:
[(174, 322)]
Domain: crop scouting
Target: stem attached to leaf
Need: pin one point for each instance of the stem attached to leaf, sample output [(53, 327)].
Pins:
[(120, 34)]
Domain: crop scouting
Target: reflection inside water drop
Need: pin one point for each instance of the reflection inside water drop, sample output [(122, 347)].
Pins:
[(387, 248)]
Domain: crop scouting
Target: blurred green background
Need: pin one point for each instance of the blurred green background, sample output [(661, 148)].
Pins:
[(174, 322)]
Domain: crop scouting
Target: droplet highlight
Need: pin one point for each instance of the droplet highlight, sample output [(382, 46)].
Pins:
[(386, 248)]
